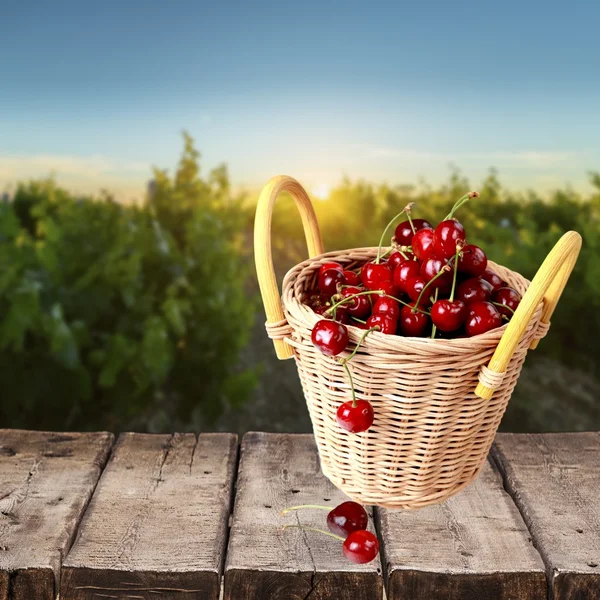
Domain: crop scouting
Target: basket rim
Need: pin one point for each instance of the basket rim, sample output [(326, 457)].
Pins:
[(300, 315)]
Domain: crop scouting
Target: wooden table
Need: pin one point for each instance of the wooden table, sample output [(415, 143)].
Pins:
[(191, 517)]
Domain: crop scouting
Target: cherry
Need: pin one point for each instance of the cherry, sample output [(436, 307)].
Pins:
[(385, 323), (346, 518), (448, 315), (414, 287), (446, 237), (422, 243), (389, 288), (404, 233), (493, 279), (352, 278), (482, 317), (431, 267), (342, 315), (360, 306), (361, 546), (387, 307), (329, 280), (355, 416), (330, 337), (395, 259), (331, 265), (474, 290), (508, 298), (406, 270), (413, 324), (373, 274), (472, 261)]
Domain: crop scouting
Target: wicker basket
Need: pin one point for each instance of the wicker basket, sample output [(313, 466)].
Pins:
[(437, 403)]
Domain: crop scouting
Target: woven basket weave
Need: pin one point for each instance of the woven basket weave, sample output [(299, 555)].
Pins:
[(437, 403)]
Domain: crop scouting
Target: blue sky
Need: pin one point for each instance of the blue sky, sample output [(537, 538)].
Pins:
[(98, 92)]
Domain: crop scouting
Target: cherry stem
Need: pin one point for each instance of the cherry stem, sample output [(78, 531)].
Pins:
[(358, 320), (383, 235), (285, 511), (503, 306), (360, 341), (458, 249), (434, 328), (343, 363), (368, 293), (304, 527), (460, 202), (407, 211), (441, 272)]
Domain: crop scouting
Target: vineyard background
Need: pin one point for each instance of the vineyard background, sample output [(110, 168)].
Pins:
[(146, 317)]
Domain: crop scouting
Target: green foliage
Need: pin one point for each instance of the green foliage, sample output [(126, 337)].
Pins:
[(111, 313)]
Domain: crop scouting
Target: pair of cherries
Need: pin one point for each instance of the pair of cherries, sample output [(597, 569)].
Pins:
[(348, 523)]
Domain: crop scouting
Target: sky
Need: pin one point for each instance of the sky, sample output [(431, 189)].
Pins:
[(98, 93)]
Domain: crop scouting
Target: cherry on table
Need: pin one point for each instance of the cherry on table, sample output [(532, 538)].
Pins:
[(355, 417), (387, 307), (404, 233), (472, 260), (352, 278), (422, 243), (509, 298), (406, 270), (330, 265), (482, 317), (448, 315), (493, 279), (374, 274), (413, 324), (360, 306), (361, 547), (385, 323), (446, 237), (330, 337), (347, 517), (329, 280), (474, 290)]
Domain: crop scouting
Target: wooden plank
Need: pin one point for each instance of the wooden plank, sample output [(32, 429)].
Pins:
[(473, 546), (555, 480), (157, 524), (46, 481), (266, 562)]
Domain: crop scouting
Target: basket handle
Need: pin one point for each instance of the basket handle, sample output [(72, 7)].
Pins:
[(262, 247), (547, 285)]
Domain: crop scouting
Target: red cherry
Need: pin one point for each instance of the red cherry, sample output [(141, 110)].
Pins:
[(373, 274), (330, 265), (474, 290), (352, 278), (342, 315), (448, 315), (413, 324), (472, 260), (358, 307), (360, 547), (493, 279), (482, 317), (330, 337), (387, 306), (404, 234), (414, 287), (389, 288), (447, 235), (346, 518), (508, 297), (395, 259), (431, 267), (405, 271), (385, 323), (329, 280), (422, 243), (355, 419)]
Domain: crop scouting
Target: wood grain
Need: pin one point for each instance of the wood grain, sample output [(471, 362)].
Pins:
[(474, 546), (157, 524), (46, 481), (555, 480), (266, 562)]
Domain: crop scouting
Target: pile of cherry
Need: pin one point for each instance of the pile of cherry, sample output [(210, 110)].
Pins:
[(348, 523), (429, 283)]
